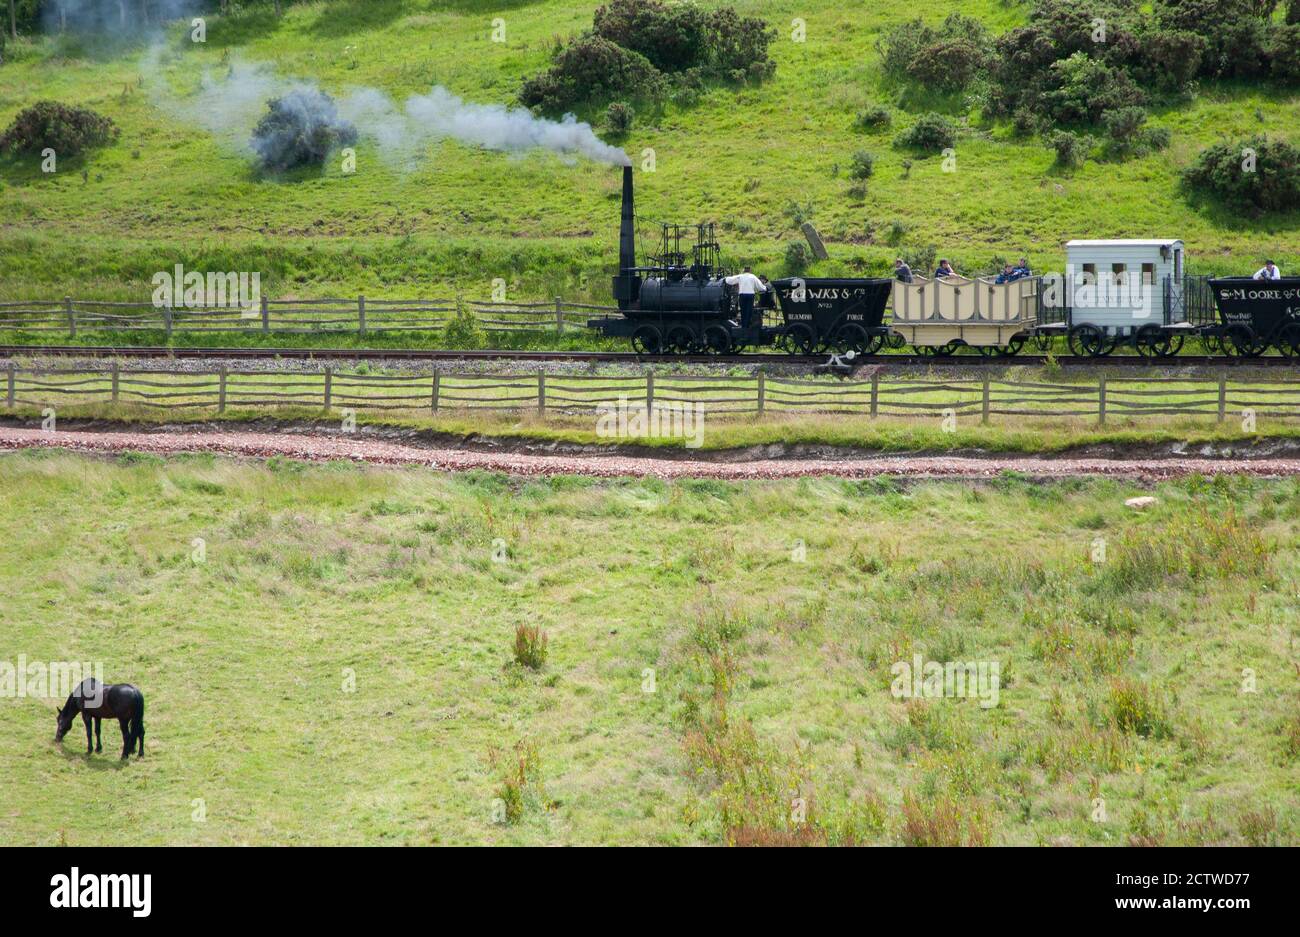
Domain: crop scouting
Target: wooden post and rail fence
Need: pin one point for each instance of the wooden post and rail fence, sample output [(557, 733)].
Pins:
[(1102, 400)]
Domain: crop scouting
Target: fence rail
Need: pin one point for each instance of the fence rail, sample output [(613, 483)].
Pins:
[(543, 393), (360, 314)]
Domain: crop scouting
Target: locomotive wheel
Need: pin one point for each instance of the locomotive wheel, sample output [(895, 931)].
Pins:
[(680, 340), (798, 340), (850, 337), (1288, 340), (874, 344), (1241, 340), (647, 340), (1088, 341), (717, 340)]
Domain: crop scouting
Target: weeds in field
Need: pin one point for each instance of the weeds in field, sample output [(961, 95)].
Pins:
[(519, 774), (530, 646), (944, 820)]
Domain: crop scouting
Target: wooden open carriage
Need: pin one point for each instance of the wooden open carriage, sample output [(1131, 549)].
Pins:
[(938, 316)]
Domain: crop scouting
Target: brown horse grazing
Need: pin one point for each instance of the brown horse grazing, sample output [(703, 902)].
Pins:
[(96, 701)]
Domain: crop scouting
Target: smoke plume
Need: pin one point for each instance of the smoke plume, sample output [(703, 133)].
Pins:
[(231, 106)]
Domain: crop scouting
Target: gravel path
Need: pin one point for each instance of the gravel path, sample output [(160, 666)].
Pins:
[(323, 448)]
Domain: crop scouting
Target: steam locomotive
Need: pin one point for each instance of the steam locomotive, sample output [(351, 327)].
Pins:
[(1126, 292)]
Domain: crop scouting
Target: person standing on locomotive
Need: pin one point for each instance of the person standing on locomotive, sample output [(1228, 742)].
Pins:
[(1268, 272), (746, 285)]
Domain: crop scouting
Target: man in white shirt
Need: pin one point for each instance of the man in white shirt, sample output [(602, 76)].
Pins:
[(746, 285), (1268, 272)]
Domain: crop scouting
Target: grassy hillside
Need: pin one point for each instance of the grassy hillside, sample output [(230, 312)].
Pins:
[(1120, 680), (168, 192)]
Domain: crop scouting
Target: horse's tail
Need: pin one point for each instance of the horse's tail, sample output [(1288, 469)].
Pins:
[(139, 719)]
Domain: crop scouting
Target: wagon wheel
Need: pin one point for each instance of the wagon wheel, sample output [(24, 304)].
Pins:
[(1012, 347), (717, 340), (1042, 341), (680, 339), (874, 344), (647, 340), (1151, 341), (985, 351), (896, 341), (1088, 341), (798, 340), (850, 337), (1213, 342), (936, 351), (1242, 341), (1288, 339)]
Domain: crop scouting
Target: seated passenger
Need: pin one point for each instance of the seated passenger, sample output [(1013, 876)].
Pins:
[(902, 271), (1007, 275), (1022, 270), (1268, 272), (945, 270)]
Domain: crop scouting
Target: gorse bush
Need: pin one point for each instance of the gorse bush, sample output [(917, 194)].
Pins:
[(66, 129), (1261, 173), (591, 68), (931, 132), (862, 165), (874, 118), (619, 117), (1071, 148), (300, 129), (948, 56), (645, 48)]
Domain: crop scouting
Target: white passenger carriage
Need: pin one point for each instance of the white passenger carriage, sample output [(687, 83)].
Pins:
[(1117, 291)]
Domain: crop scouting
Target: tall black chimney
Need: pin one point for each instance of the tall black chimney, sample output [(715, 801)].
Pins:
[(627, 285)]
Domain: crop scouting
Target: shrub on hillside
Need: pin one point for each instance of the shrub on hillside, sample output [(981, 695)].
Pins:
[(590, 69), (1071, 148), (1284, 53), (66, 129), (301, 128), (1080, 89), (796, 258), (873, 118), (917, 41), (1224, 171), (948, 65), (862, 165), (1235, 33), (530, 646), (679, 37), (931, 132), (619, 117), (639, 48)]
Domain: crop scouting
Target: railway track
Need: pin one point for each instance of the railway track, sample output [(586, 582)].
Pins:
[(408, 354)]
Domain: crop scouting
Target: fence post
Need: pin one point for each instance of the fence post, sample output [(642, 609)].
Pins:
[(167, 321), (329, 387), (1223, 398), (1101, 401), (266, 315), (221, 390), (541, 393), (762, 391), (984, 417), (361, 314), (72, 316), (116, 374), (9, 393), (559, 316), (649, 393), (433, 402), (875, 395)]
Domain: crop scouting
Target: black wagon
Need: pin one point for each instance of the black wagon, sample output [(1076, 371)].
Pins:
[(822, 313), (1254, 314)]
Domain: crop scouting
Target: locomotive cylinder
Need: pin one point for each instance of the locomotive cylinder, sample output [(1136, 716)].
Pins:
[(687, 295)]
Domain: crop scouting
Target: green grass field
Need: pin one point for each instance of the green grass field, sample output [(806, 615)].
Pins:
[(337, 666), (168, 192)]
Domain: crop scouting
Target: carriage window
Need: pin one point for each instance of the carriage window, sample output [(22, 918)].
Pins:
[(1178, 263), (1149, 274), (1117, 270), (1090, 273)]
